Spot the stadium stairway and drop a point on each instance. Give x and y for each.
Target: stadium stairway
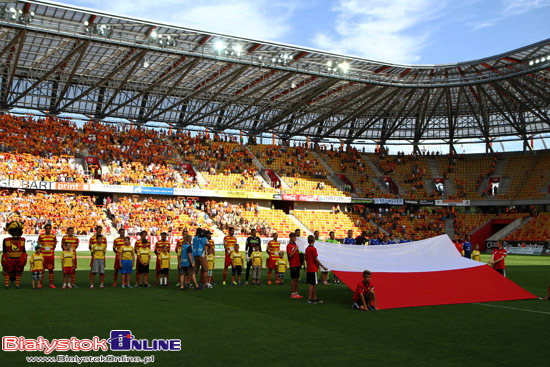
(300, 225)
(432, 165)
(380, 228)
(262, 180)
(332, 177)
(380, 184)
(104, 167)
(449, 227)
(200, 178)
(261, 167)
(449, 189)
(509, 229)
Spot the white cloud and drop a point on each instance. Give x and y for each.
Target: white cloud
(259, 19)
(517, 7)
(382, 30)
(510, 8)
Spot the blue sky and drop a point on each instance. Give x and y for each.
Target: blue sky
(403, 31)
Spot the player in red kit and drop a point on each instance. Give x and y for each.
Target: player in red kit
(48, 242)
(117, 244)
(458, 243)
(497, 259)
(14, 256)
(363, 297)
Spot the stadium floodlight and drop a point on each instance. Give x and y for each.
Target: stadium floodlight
(219, 46)
(154, 35)
(344, 66)
(329, 64)
(531, 62)
(238, 49)
(86, 23)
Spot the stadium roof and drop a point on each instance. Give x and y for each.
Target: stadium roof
(63, 59)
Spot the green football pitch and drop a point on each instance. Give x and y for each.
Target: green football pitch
(251, 325)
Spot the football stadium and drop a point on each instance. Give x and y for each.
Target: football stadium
(173, 196)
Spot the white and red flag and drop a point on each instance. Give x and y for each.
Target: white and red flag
(421, 273)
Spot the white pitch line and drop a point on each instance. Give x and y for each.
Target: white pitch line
(512, 308)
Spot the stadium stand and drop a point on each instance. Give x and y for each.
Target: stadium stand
(339, 222)
(60, 210)
(467, 223)
(404, 223)
(303, 173)
(244, 217)
(537, 229)
(408, 171)
(157, 215)
(352, 165)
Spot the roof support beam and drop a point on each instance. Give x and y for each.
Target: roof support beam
(71, 76)
(13, 66)
(346, 102)
(169, 74)
(377, 114)
(52, 71)
(238, 118)
(204, 86)
(123, 83)
(235, 76)
(243, 95)
(104, 80)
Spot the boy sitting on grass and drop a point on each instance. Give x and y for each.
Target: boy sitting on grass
(364, 298)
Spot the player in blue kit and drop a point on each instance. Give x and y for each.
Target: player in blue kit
(467, 248)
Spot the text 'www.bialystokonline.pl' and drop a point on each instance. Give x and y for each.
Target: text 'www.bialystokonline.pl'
(62, 358)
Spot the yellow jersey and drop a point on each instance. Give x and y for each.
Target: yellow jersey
(37, 262)
(210, 260)
(237, 258)
(126, 252)
(282, 264)
(164, 260)
(67, 259)
(256, 258)
(98, 250)
(476, 255)
(48, 243)
(71, 241)
(144, 254)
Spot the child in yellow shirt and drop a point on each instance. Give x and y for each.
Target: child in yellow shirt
(210, 260)
(236, 265)
(256, 259)
(476, 255)
(164, 266)
(67, 261)
(37, 267)
(282, 264)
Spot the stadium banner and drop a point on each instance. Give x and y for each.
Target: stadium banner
(194, 192)
(153, 190)
(362, 201)
(72, 186)
(299, 197)
(520, 247)
(23, 184)
(334, 199)
(231, 194)
(441, 274)
(260, 195)
(426, 202)
(452, 202)
(411, 202)
(386, 201)
(120, 189)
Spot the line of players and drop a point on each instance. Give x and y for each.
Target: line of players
(194, 255)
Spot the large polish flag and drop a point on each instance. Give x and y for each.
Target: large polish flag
(420, 273)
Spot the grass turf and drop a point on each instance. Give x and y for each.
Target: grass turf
(262, 325)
